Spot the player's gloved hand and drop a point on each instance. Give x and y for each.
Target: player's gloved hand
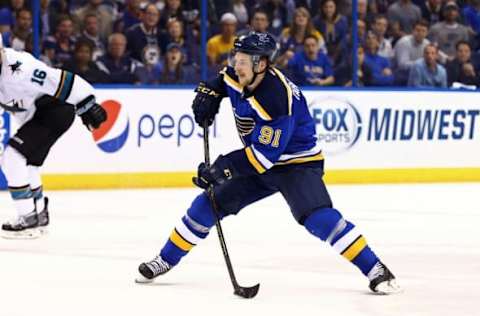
(91, 113)
(216, 174)
(206, 104)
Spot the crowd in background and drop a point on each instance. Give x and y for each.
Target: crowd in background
(415, 43)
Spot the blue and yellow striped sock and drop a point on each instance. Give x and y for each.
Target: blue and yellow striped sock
(192, 229)
(183, 238)
(353, 247)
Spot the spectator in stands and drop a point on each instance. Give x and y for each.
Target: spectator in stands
(409, 49)
(431, 11)
(311, 66)
(448, 33)
(15, 6)
(395, 32)
(21, 30)
(117, 64)
(381, 70)
(172, 10)
(258, 23)
(334, 27)
(239, 9)
(361, 31)
(173, 70)
(104, 15)
(379, 28)
(344, 72)
(48, 18)
(461, 69)
(291, 40)
(91, 33)
(59, 47)
(175, 34)
(362, 11)
(427, 72)
(277, 15)
(144, 39)
(405, 13)
(219, 46)
(471, 17)
(6, 22)
(131, 16)
(312, 6)
(378, 6)
(29, 49)
(82, 64)
(361, 35)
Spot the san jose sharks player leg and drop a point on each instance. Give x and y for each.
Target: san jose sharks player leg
(43, 101)
(280, 155)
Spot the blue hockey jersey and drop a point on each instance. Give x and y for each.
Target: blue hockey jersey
(273, 122)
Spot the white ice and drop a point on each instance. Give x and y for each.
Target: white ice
(427, 235)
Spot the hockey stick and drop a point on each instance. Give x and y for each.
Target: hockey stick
(245, 292)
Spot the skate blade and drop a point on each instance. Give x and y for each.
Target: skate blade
(388, 288)
(140, 279)
(32, 233)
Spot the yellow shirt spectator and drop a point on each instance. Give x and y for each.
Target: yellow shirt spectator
(219, 46)
(218, 49)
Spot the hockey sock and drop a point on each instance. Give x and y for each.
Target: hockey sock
(192, 229)
(14, 166)
(329, 225)
(22, 199)
(36, 185)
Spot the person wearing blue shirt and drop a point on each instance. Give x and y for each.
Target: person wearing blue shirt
(471, 17)
(379, 66)
(280, 154)
(334, 28)
(310, 66)
(426, 72)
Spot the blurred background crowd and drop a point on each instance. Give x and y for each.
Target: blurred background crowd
(406, 43)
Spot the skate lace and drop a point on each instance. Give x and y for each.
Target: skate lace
(158, 266)
(377, 270)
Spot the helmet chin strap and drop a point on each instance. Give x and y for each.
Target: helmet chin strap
(255, 73)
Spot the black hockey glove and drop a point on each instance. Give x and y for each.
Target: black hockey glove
(91, 113)
(206, 104)
(216, 174)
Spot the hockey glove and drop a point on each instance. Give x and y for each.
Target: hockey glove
(216, 174)
(206, 104)
(91, 113)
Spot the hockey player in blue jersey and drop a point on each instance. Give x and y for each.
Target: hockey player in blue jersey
(280, 154)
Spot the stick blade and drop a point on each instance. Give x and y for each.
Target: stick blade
(247, 292)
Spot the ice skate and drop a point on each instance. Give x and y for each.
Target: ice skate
(23, 227)
(382, 280)
(44, 218)
(152, 269)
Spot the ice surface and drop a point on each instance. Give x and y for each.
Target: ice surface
(426, 234)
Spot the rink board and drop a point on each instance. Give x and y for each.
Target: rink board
(367, 137)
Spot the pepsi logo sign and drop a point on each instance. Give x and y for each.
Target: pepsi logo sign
(113, 133)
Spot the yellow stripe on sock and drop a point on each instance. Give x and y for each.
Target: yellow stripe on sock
(351, 252)
(181, 243)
